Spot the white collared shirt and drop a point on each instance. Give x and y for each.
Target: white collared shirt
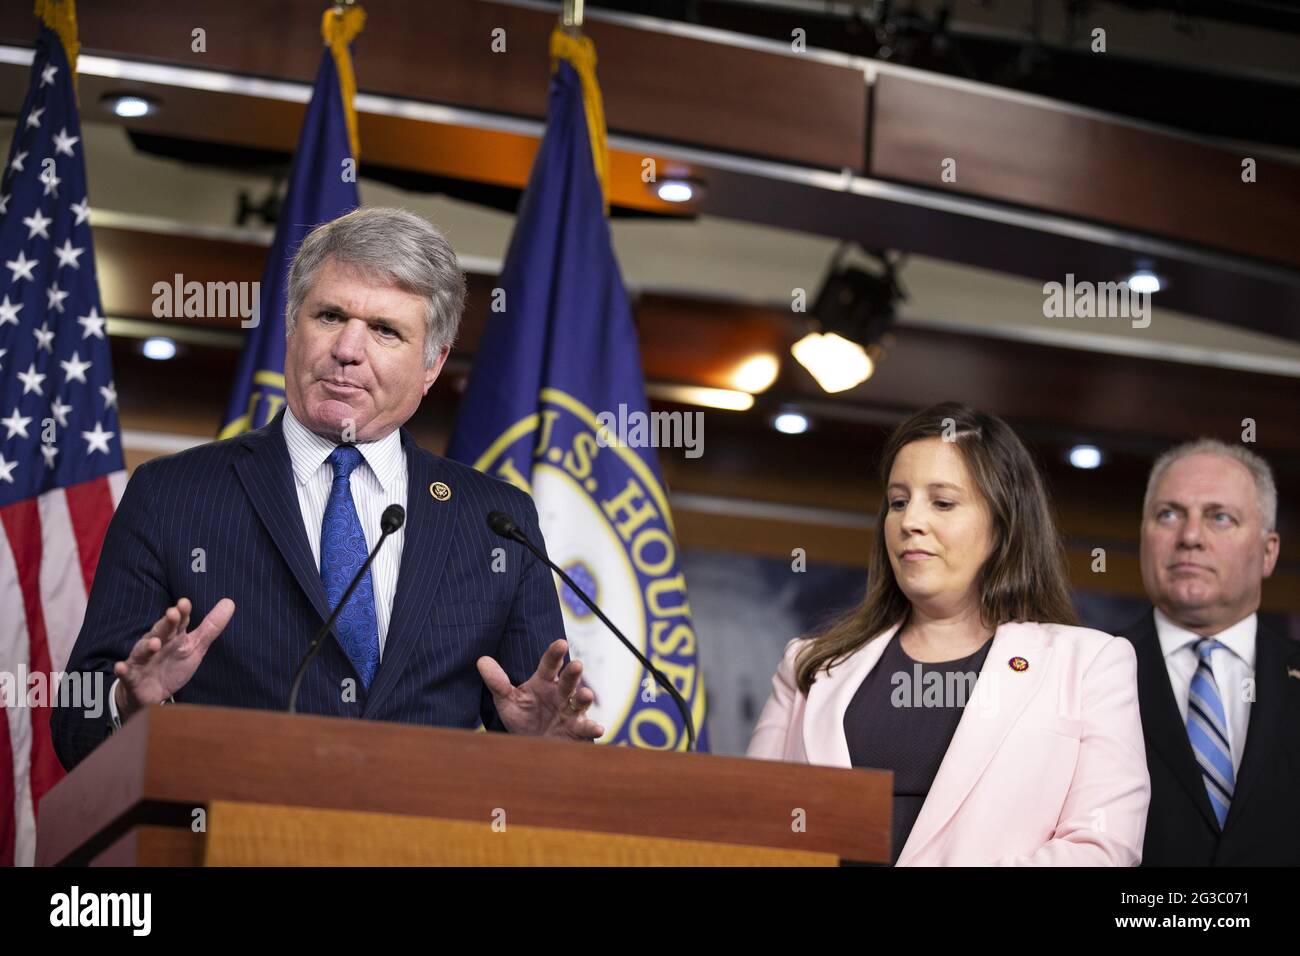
(378, 482)
(1233, 668)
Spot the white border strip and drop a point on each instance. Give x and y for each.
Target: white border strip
(135, 439)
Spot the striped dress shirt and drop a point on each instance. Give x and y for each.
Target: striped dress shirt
(376, 485)
(1233, 672)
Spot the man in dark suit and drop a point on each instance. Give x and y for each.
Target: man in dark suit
(258, 536)
(1219, 694)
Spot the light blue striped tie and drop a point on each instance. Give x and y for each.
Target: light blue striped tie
(1207, 728)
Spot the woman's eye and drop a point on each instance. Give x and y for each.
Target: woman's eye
(943, 505)
(898, 504)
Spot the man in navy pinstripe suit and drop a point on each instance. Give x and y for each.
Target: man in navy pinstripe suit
(452, 625)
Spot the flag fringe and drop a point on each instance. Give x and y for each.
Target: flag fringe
(339, 26)
(61, 17)
(580, 53)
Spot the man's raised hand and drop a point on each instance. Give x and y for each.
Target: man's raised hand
(163, 661)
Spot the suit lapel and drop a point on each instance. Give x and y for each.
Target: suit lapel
(425, 546)
(267, 476)
(1163, 727)
(829, 697)
(1001, 696)
(1272, 658)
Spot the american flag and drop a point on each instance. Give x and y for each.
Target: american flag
(61, 466)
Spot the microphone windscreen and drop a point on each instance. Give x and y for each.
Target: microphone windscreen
(392, 519)
(502, 524)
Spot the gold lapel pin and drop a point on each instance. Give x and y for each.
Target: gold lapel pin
(440, 491)
(1293, 672)
(1018, 664)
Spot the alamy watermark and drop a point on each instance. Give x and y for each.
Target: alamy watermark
(179, 299)
(1100, 300)
(638, 429)
(78, 690)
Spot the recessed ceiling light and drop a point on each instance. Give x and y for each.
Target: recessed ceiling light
(129, 105)
(1085, 456)
(159, 347)
(790, 423)
(756, 373)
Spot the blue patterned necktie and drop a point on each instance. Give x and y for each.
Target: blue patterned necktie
(1207, 728)
(342, 553)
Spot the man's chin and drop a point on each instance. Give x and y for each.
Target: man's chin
(334, 419)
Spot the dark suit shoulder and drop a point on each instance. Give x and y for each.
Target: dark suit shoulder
(1141, 629)
(192, 465)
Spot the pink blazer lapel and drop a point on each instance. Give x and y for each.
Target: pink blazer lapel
(1001, 695)
(829, 697)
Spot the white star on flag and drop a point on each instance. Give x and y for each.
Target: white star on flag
(3, 353)
(93, 324)
(63, 143)
(109, 392)
(7, 470)
(22, 266)
(31, 380)
(4, 204)
(16, 164)
(82, 209)
(68, 254)
(47, 74)
(34, 117)
(44, 337)
(60, 412)
(54, 297)
(9, 312)
(36, 223)
(17, 424)
(49, 451)
(51, 180)
(75, 369)
(98, 439)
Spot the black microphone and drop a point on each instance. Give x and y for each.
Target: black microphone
(506, 527)
(390, 521)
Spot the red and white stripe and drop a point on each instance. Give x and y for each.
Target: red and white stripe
(48, 552)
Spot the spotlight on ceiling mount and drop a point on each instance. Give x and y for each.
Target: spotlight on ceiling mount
(854, 310)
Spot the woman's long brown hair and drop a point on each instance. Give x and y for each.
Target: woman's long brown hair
(1024, 578)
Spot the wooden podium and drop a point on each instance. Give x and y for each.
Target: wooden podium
(214, 786)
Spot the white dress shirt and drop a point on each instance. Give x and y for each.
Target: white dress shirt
(379, 481)
(1233, 668)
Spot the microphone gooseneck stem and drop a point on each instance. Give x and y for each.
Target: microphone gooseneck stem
(314, 647)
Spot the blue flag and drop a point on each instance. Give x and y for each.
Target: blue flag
(559, 350)
(322, 187)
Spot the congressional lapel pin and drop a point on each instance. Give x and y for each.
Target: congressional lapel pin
(1018, 664)
(440, 491)
(1293, 672)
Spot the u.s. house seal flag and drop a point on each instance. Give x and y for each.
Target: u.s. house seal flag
(559, 349)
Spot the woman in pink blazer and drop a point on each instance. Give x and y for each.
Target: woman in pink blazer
(1014, 736)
